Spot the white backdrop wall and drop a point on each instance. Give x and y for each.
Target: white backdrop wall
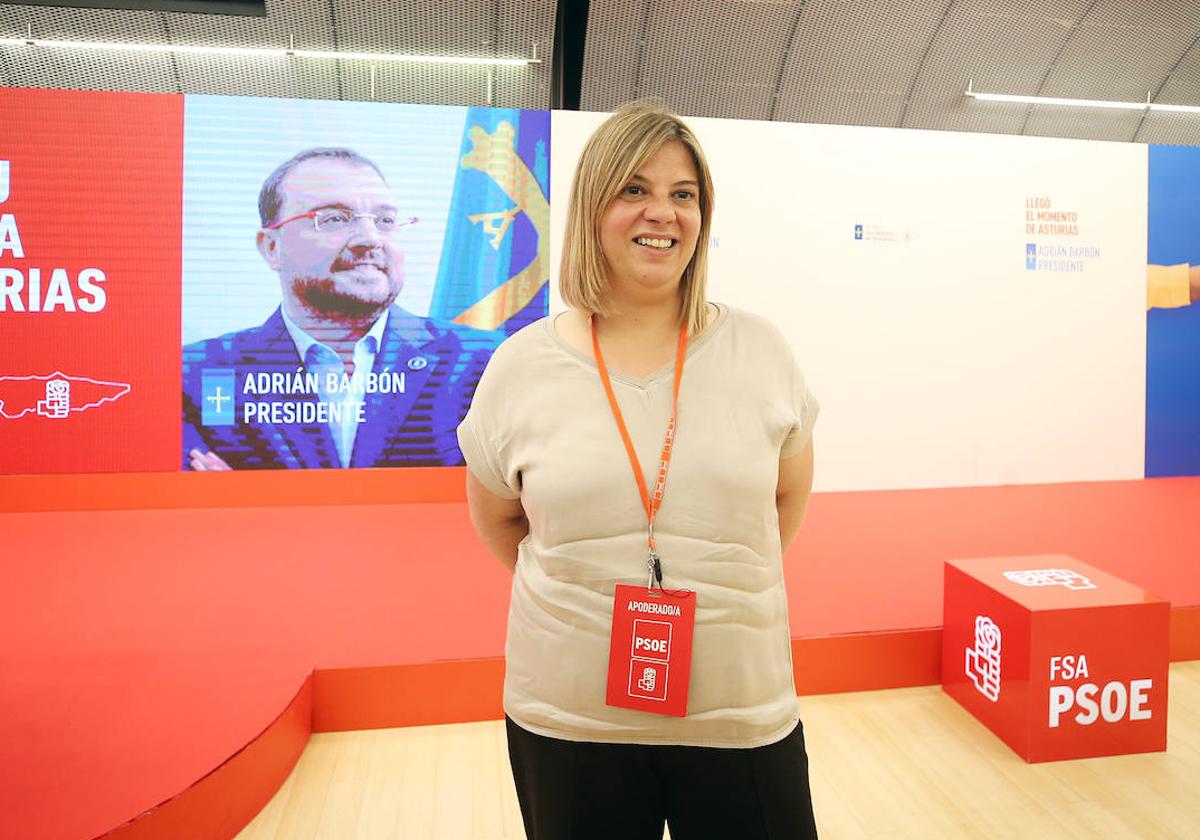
(941, 356)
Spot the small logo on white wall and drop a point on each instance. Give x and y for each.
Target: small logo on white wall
(883, 233)
(983, 660)
(1050, 577)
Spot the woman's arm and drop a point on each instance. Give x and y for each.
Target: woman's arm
(792, 492)
(499, 522)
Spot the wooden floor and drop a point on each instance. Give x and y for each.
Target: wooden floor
(907, 763)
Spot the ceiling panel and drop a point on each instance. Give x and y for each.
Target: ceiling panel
(727, 66)
(1121, 51)
(853, 63)
(308, 22)
(525, 25)
(1181, 88)
(863, 62)
(1004, 47)
(424, 83)
(228, 76)
(33, 67)
(486, 28)
(706, 58)
(452, 28)
(458, 27)
(1082, 123)
(612, 54)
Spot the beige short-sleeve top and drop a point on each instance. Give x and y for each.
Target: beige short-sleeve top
(540, 429)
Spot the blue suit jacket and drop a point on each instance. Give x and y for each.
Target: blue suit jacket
(441, 363)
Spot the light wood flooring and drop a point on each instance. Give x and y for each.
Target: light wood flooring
(905, 763)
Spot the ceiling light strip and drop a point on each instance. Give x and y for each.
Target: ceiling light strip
(1081, 103)
(262, 52)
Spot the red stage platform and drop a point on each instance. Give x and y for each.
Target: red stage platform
(171, 639)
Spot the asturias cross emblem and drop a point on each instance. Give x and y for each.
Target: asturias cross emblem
(218, 398)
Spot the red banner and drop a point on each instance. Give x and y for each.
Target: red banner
(90, 255)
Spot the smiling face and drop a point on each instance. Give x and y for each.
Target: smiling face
(648, 232)
(350, 276)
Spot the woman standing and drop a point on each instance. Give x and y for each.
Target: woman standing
(640, 461)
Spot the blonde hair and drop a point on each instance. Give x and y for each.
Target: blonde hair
(611, 156)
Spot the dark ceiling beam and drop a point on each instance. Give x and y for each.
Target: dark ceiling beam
(175, 74)
(566, 62)
(787, 57)
(333, 35)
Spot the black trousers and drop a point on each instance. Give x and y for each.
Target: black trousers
(584, 791)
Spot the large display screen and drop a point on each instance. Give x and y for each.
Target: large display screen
(1173, 328)
(320, 283)
(203, 283)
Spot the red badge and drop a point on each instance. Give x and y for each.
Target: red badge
(650, 656)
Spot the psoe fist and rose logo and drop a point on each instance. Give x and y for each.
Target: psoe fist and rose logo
(983, 658)
(57, 395)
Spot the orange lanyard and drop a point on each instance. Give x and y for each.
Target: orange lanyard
(650, 502)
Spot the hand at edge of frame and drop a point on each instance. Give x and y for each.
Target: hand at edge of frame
(206, 461)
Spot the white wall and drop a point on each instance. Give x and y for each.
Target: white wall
(939, 359)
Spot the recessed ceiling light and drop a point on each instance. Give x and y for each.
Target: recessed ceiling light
(263, 52)
(1079, 103)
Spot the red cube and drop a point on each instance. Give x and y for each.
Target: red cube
(1057, 658)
